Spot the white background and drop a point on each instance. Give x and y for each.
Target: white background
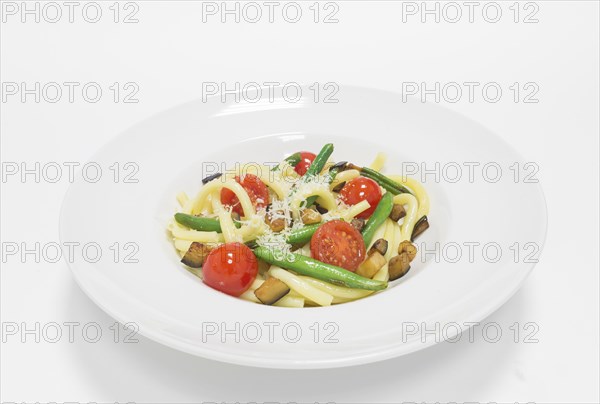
(170, 52)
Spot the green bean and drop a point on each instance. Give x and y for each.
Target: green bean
(382, 211)
(297, 236)
(319, 270)
(200, 223)
(332, 173)
(310, 201)
(319, 162)
(303, 235)
(292, 160)
(387, 183)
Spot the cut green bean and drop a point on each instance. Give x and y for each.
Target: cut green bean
(200, 223)
(317, 269)
(385, 182)
(303, 235)
(319, 162)
(292, 160)
(332, 173)
(378, 217)
(297, 236)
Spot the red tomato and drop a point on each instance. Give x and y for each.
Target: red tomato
(230, 268)
(306, 159)
(338, 243)
(361, 189)
(256, 189)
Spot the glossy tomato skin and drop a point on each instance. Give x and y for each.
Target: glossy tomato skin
(230, 268)
(338, 243)
(306, 159)
(256, 189)
(360, 189)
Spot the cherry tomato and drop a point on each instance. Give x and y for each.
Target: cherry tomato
(230, 268)
(338, 243)
(256, 189)
(306, 159)
(361, 189)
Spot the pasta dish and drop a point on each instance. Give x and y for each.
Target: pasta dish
(307, 232)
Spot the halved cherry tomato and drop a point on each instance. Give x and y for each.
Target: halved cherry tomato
(306, 159)
(361, 189)
(338, 243)
(230, 268)
(256, 189)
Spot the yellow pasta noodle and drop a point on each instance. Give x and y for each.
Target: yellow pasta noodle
(336, 291)
(216, 186)
(227, 227)
(379, 162)
(295, 283)
(418, 190)
(411, 214)
(344, 176)
(182, 198)
(355, 210)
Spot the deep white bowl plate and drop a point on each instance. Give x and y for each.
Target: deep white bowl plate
(474, 216)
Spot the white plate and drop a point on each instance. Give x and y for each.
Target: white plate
(173, 307)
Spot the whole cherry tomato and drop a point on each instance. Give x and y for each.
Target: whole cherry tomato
(362, 189)
(256, 189)
(306, 159)
(230, 268)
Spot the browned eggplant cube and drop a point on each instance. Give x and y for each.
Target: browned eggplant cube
(380, 245)
(398, 266)
(374, 262)
(196, 254)
(271, 291)
(397, 212)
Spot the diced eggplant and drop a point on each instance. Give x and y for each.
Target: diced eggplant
(398, 266)
(421, 225)
(397, 212)
(271, 291)
(196, 254)
(208, 179)
(340, 166)
(320, 209)
(380, 245)
(374, 262)
(310, 216)
(275, 220)
(409, 248)
(339, 186)
(358, 224)
(277, 225)
(295, 247)
(263, 266)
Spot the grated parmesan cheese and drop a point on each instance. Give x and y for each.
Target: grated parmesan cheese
(275, 241)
